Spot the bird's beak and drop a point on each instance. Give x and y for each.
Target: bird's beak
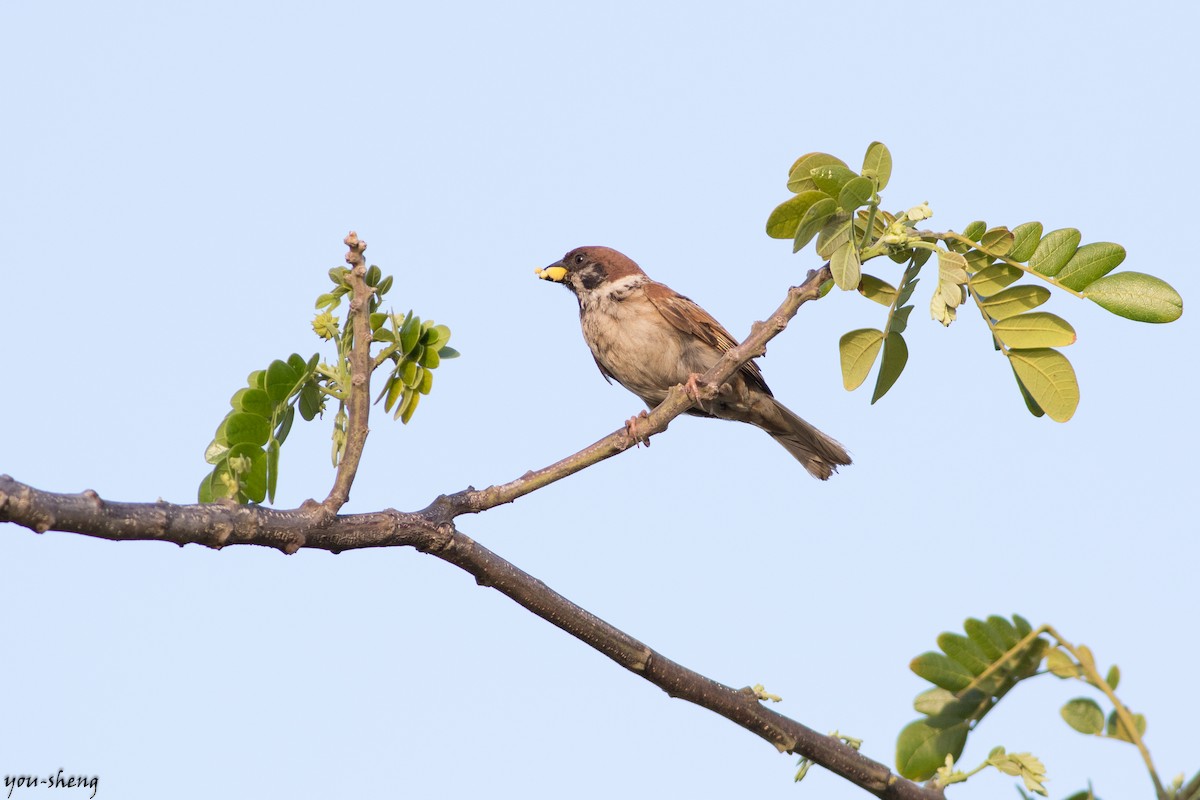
(555, 272)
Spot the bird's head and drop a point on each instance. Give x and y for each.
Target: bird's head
(586, 269)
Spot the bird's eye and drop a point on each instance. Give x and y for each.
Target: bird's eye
(579, 259)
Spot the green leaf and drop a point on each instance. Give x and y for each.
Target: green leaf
(1061, 665)
(989, 642)
(936, 701)
(448, 352)
(395, 389)
(215, 452)
(964, 651)
(977, 261)
(252, 480)
(1084, 715)
(845, 267)
(281, 379)
(878, 162)
(338, 275)
(898, 322)
(1133, 295)
(895, 356)
(409, 373)
(252, 401)
(1036, 329)
(998, 241)
(1015, 300)
(922, 747)
(410, 333)
(1004, 631)
(297, 362)
(786, 217)
(906, 291)
(812, 221)
(430, 358)
(426, 385)
(975, 230)
(205, 493)
(800, 175)
(1025, 240)
(1054, 251)
(410, 408)
(1030, 403)
(272, 468)
(941, 671)
(285, 425)
(831, 178)
(857, 192)
(243, 428)
(873, 288)
(1050, 380)
(1091, 262)
(858, 350)
(310, 401)
(1117, 730)
(834, 233)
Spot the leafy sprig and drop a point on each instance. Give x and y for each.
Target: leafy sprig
(245, 450)
(970, 675)
(841, 209)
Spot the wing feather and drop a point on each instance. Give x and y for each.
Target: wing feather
(693, 320)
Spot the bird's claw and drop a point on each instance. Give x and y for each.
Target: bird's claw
(691, 387)
(631, 428)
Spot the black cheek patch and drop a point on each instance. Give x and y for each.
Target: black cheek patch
(591, 276)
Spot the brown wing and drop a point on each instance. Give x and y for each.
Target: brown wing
(690, 318)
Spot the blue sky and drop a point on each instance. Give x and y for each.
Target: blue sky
(177, 182)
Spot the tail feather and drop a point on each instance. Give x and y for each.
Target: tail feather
(820, 454)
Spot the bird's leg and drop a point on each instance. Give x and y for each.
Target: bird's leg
(631, 428)
(692, 389)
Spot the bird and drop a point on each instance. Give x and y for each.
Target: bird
(648, 338)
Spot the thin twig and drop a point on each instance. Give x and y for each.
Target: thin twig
(472, 501)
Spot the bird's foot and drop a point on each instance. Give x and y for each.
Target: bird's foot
(632, 426)
(691, 387)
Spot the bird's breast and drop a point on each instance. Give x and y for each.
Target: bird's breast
(634, 343)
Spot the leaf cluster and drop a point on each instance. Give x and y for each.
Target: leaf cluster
(245, 450)
(970, 675)
(841, 209)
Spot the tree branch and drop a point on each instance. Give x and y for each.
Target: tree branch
(219, 524)
(317, 525)
(472, 501)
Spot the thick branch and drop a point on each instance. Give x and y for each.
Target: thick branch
(316, 526)
(219, 524)
(471, 500)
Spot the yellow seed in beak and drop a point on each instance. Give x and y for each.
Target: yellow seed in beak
(555, 274)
